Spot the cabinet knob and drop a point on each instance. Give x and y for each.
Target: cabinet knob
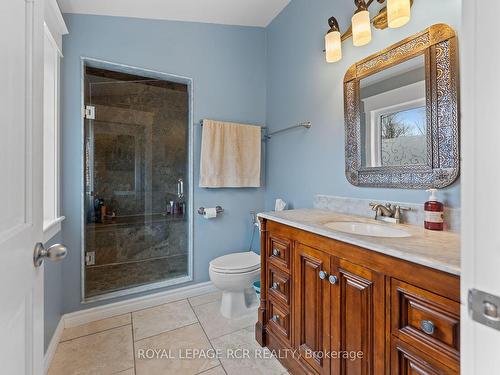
(276, 285)
(275, 318)
(332, 279)
(276, 252)
(427, 326)
(323, 275)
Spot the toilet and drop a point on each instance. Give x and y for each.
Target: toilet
(234, 274)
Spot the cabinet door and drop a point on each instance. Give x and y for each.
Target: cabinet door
(358, 319)
(311, 300)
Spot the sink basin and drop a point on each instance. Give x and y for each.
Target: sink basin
(367, 229)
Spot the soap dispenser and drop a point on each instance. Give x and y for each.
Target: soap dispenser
(434, 212)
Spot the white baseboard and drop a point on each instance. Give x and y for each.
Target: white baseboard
(122, 307)
(54, 341)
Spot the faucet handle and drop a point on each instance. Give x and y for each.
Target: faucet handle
(397, 212)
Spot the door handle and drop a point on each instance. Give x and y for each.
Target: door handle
(55, 253)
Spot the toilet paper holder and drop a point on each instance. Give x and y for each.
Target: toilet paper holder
(218, 209)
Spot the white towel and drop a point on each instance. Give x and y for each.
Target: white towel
(230, 155)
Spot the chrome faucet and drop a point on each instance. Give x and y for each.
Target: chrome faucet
(388, 212)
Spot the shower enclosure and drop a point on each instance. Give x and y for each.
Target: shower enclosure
(137, 222)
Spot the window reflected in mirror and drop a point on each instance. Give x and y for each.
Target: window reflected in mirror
(393, 116)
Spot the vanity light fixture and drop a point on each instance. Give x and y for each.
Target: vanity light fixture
(361, 25)
(333, 44)
(396, 13)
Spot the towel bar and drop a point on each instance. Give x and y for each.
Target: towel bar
(306, 124)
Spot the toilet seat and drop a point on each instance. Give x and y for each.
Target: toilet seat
(236, 263)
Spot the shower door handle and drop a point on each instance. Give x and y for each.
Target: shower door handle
(180, 188)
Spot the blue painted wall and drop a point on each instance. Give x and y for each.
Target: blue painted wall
(227, 64)
(53, 293)
(302, 86)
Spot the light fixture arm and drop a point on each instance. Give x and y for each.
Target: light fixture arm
(334, 25)
(361, 5)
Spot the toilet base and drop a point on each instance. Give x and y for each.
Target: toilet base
(238, 304)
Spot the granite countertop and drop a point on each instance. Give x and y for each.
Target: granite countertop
(434, 249)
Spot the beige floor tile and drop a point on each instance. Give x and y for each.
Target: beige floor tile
(101, 353)
(163, 318)
(175, 343)
(214, 371)
(256, 362)
(216, 325)
(94, 327)
(205, 298)
(130, 371)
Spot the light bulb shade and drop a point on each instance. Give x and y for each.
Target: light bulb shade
(361, 28)
(398, 12)
(333, 46)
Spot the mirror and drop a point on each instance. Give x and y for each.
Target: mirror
(401, 114)
(393, 116)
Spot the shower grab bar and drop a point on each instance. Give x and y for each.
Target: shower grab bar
(267, 136)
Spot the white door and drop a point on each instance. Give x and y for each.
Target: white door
(480, 181)
(21, 89)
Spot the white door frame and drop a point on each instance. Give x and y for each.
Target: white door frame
(480, 179)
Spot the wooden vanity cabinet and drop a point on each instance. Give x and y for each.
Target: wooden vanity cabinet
(312, 301)
(323, 300)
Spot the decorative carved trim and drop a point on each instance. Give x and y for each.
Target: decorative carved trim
(393, 56)
(439, 45)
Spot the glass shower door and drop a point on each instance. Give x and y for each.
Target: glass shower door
(136, 173)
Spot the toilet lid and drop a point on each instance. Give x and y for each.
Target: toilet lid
(236, 263)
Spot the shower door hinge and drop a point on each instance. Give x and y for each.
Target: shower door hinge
(89, 112)
(90, 258)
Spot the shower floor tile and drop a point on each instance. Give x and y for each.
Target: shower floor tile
(110, 278)
(102, 348)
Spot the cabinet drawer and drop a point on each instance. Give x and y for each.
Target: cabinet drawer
(406, 360)
(279, 253)
(279, 321)
(427, 321)
(279, 286)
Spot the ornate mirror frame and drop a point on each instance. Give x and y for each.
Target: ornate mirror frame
(438, 44)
